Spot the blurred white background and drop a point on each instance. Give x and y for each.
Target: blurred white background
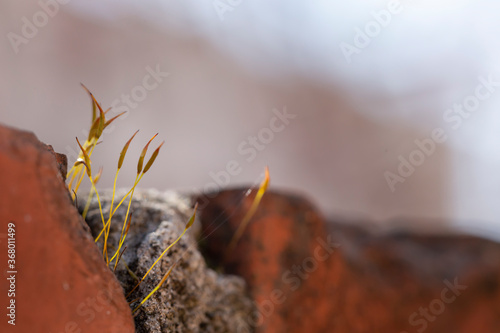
(231, 62)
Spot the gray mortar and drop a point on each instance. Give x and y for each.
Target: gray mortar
(194, 298)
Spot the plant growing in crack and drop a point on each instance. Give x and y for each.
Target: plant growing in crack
(112, 253)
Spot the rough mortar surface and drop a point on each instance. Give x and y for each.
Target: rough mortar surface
(194, 298)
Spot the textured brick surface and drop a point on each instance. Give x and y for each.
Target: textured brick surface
(309, 276)
(62, 283)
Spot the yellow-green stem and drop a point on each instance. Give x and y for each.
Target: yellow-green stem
(155, 289)
(87, 204)
(248, 216)
(154, 264)
(108, 223)
(116, 208)
(122, 236)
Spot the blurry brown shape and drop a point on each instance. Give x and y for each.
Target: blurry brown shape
(62, 161)
(309, 276)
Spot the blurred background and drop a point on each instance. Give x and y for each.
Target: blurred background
(331, 95)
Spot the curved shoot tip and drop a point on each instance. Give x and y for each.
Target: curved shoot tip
(152, 158)
(193, 217)
(143, 153)
(78, 162)
(102, 119)
(86, 158)
(106, 124)
(92, 96)
(94, 103)
(267, 178)
(94, 107)
(124, 150)
(84, 87)
(98, 176)
(250, 213)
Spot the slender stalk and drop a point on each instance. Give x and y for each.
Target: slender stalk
(188, 225)
(108, 223)
(248, 216)
(155, 288)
